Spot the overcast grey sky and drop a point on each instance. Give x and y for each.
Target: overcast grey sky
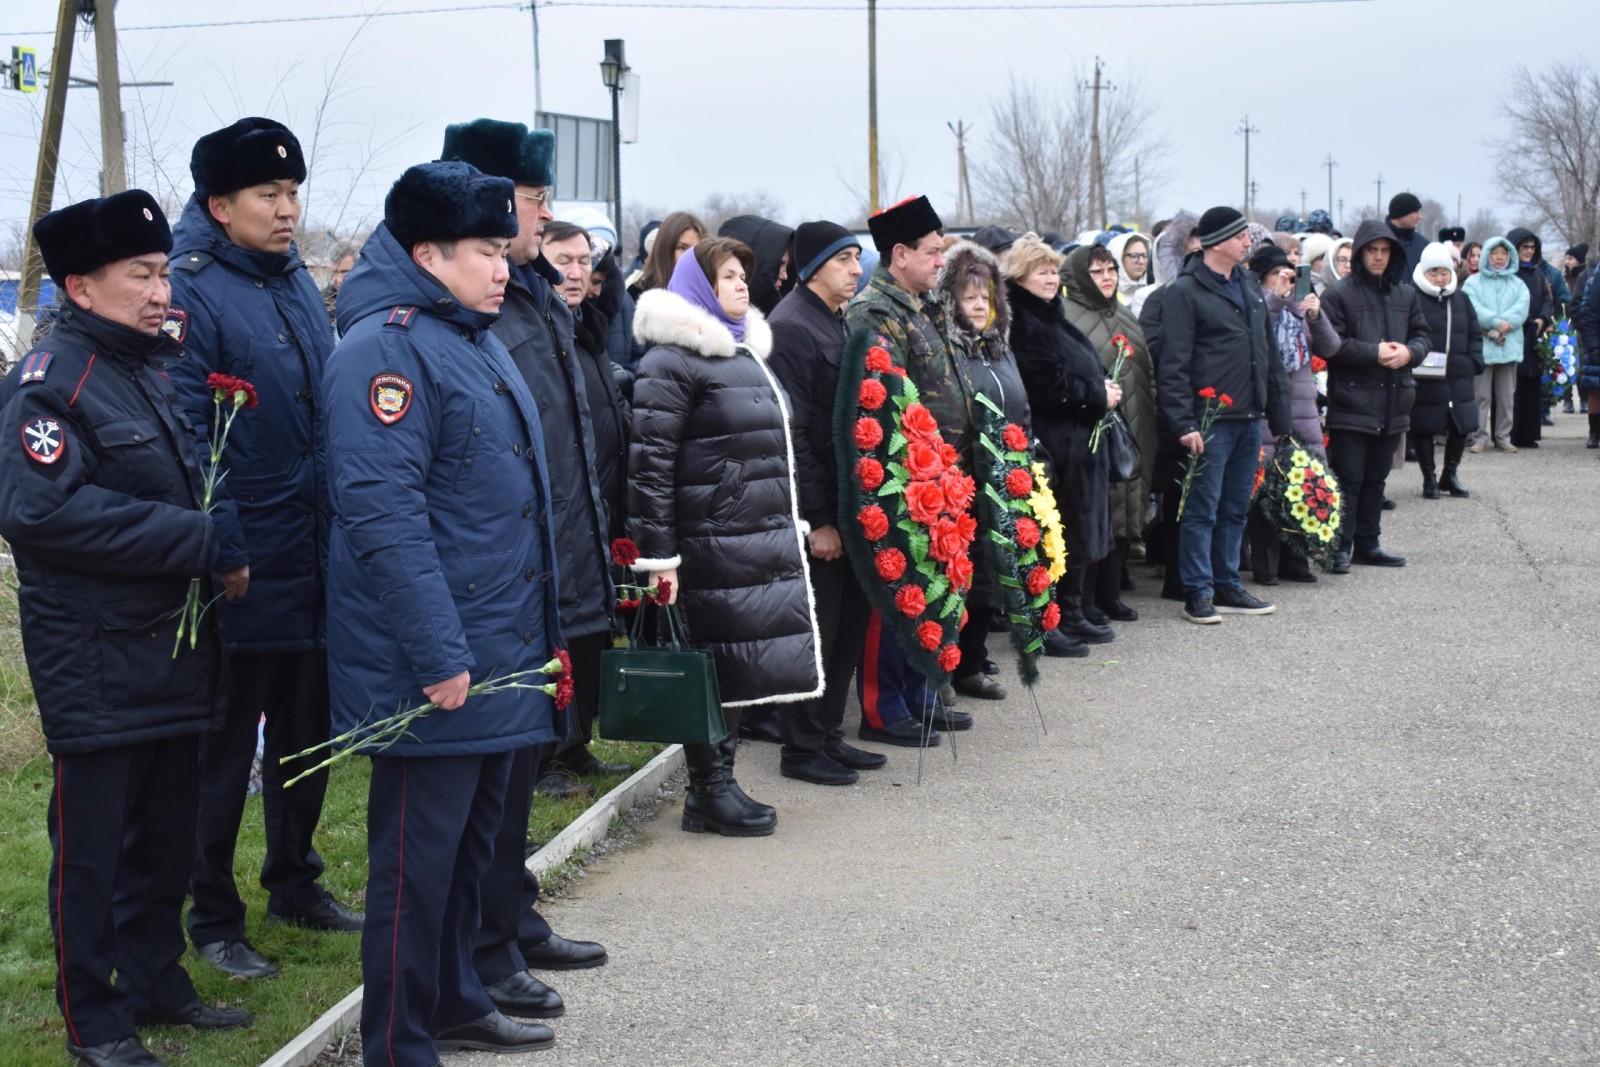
(764, 98)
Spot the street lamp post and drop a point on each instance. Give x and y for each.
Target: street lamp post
(613, 70)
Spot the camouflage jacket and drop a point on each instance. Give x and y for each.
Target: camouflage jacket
(919, 340)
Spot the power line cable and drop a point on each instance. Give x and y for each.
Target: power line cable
(730, 6)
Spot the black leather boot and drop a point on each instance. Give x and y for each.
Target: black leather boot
(710, 805)
(1073, 624)
(1430, 486)
(1108, 586)
(1449, 482)
(729, 745)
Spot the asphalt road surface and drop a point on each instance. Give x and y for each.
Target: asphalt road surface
(1359, 831)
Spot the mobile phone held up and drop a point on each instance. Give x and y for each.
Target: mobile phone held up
(1302, 281)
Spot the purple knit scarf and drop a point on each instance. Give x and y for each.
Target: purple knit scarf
(690, 282)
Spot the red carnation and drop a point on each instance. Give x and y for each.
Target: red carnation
(663, 591)
(1208, 393)
(628, 605)
(226, 386)
(624, 552)
(958, 491)
(565, 660)
(929, 634)
(1038, 580)
(944, 540)
(891, 564)
(910, 601)
(873, 394)
(949, 658)
(1225, 400)
(1052, 616)
(924, 500)
(874, 523)
(868, 433)
(563, 692)
(923, 461)
(1019, 482)
(878, 359)
(919, 422)
(1016, 438)
(959, 572)
(1027, 533)
(869, 472)
(1318, 364)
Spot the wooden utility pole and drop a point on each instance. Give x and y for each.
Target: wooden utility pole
(538, 86)
(964, 209)
(872, 107)
(113, 167)
(1097, 175)
(1302, 203)
(1246, 129)
(1380, 196)
(44, 175)
(1250, 205)
(1330, 164)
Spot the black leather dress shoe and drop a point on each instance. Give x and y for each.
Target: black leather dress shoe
(907, 733)
(981, 686)
(237, 958)
(991, 667)
(1377, 557)
(1117, 611)
(559, 954)
(1389, 505)
(854, 758)
(1059, 644)
(201, 1016)
(325, 914)
(587, 762)
(760, 730)
(495, 1033)
(525, 997)
(124, 1052)
(819, 768)
(560, 786)
(1341, 563)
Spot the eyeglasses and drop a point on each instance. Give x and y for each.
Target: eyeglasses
(1138, 257)
(538, 198)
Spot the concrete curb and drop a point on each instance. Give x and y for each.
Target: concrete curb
(593, 825)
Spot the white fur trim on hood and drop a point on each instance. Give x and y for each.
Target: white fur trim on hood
(1434, 256)
(665, 318)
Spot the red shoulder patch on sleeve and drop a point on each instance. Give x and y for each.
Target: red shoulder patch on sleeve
(43, 440)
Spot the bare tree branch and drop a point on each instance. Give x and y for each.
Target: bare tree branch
(1551, 148)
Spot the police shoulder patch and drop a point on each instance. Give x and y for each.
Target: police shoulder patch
(390, 395)
(176, 324)
(35, 366)
(43, 440)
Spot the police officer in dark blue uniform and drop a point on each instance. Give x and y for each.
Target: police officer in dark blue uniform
(244, 304)
(442, 568)
(535, 325)
(100, 492)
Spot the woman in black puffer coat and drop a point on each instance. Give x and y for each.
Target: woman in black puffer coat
(1446, 407)
(711, 501)
(1068, 394)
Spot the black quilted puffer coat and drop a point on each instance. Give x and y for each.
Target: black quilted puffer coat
(711, 492)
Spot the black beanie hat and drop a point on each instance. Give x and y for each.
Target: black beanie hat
(817, 242)
(447, 202)
(91, 233)
(1403, 204)
(1268, 258)
(504, 150)
(1579, 252)
(250, 152)
(1452, 233)
(1218, 224)
(904, 223)
(995, 238)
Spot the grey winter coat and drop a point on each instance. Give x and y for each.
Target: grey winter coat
(1302, 380)
(711, 493)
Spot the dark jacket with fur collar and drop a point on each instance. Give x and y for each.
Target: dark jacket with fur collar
(991, 365)
(711, 493)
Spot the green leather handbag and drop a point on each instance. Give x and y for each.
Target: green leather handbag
(665, 692)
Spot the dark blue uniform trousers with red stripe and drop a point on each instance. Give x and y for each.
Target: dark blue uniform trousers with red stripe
(889, 687)
(509, 892)
(122, 830)
(431, 822)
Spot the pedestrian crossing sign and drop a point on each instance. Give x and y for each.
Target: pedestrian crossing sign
(24, 69)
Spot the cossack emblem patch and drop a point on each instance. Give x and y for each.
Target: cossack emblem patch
(391, 397)
(43, 440)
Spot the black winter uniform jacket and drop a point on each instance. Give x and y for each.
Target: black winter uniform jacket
(1364, 395)
(807, 345)
(100, 492)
